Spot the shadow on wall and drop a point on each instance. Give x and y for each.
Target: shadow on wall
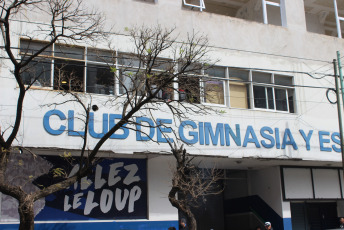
(255, 205)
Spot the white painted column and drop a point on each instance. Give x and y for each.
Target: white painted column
(295, 16)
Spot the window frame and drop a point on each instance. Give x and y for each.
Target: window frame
(274, 87)
(281, 5)
(288, 86)
(81, 61)
(22, 55)
(201, 5)
(264, 4)
(338, 19)
(100, 63)
(224, 80)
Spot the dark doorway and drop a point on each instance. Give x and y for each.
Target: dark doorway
(314, 216)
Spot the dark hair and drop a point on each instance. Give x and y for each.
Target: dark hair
(258, 227)
(171, 228)
(182, 220)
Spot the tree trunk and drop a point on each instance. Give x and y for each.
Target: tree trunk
(191, 221)
(26, 213)
(182, 207)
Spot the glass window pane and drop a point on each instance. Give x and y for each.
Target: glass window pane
(101, 56)
(281, 99)
(130, 82)
(214, 92)
(270, 98)
(69, 75)
(157, 80)
(37, 72)
(129, 60)
(100, 79)
(283, 80)
(238, 75)
(259, 97)
(165, 65)
(291, 97)
(189, 89)
(239, 95)
(69, 52)
(261, 77)
(216, 71)
(195, 68)
(274, 15)
(29, 47)
(238, 88)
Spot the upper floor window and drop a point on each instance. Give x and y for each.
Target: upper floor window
(273, 92)
(214, 85)
(100, 77)
(239, 88)
(325, 17)
(38, 72)
(190, 88)
(129, 73)
(82, 69)
(66, 67)
(265, 11)
(69, 67)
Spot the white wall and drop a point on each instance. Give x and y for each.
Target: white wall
(159, 185)
(266, 184)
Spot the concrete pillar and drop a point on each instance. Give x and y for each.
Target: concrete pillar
(294, 14)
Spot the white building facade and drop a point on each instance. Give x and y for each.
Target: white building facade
(277, 136)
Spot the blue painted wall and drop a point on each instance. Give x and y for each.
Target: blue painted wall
(134, 225)
(287, 224)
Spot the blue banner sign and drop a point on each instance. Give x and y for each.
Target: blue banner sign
(116, 189)
(191, 132)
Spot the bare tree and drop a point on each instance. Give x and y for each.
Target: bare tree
(147, 81)
(69, 20)
(191, 185)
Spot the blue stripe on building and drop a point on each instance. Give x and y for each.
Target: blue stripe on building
(133, 225)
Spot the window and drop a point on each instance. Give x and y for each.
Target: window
(265, 11)
(273, 92)
(72, 68)
(325, 17)
(100, 72)
(131, 78)
(161, 70)
(189, 89)
(272, 12)
(189, 85)
(82, 69)
(38, 72)
(198, 4)
(214, 85)
(69, 68)
(239, 88)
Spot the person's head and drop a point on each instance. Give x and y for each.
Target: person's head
(183, 222)
(267, 225)
(258, 228)
(171, 228)
(341, 220)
